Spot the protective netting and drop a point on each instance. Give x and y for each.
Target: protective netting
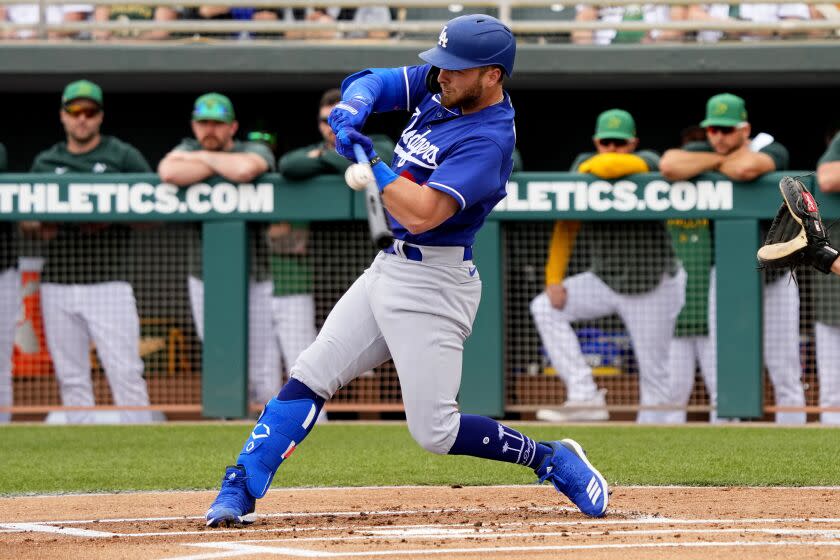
(623, 293)
(114, 308)
(116, 313)
(815, 329)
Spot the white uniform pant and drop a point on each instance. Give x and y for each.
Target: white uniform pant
(293, 317)
(780, 348)
(828, 368)
(419, 314)
(9, 306)
(649, 318)
(75, 314)
(263, 376)
(687, 351)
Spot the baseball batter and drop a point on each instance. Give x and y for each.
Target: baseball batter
(417, 301)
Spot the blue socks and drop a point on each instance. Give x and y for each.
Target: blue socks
(483, 437)
(295, 390)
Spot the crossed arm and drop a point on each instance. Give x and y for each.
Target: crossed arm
(185, 168)
(741, 165)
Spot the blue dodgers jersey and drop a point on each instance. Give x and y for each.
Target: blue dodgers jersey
(469, 157)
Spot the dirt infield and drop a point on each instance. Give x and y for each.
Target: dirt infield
(432, 522)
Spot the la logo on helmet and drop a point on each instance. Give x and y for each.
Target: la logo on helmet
(443, 39)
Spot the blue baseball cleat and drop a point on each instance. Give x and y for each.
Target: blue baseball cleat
(234, 505)
(573, 475)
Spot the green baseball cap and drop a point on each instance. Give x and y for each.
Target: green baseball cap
(725, 109)
(213, 107)
(615, 123)
(82, 89)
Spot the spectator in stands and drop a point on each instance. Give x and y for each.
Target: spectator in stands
(650, 13)
(84, 294)
(202, 13)
(132, 12)
(9, 301)
(29, 14)
(632, 273)
(730, 150)
(827, 298)
(360, 15)
(213, 152)
(758, 13)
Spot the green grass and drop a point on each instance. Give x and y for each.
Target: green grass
(55, 459)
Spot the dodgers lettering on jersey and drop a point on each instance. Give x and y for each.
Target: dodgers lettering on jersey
(468, 157)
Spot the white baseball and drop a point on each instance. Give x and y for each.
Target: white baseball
(358, 176)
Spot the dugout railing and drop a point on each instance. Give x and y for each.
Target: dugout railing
(490, 377)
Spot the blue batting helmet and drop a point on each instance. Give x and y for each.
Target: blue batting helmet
(471, 41)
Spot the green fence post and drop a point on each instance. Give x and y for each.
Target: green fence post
(224, 380)
(739, 370)
(483, 380)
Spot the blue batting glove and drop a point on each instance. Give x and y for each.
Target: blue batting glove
(344, 140)
(350, 113)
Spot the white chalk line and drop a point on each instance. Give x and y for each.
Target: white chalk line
(360, 514)
(58, 526)
(42, 528)
(238, 549)
(833, 488)
(468, 534)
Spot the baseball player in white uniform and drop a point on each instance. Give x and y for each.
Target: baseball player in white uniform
(417, 301)
(728, 149)
(84, 292)
(9, 303)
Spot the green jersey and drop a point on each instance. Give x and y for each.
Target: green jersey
(832, 153)
(826, 291)
(111, 155)
(256, 238)
(630, 257)
(692, 242)
(96, 252)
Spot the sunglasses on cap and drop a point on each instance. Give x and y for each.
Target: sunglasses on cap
(617, 142)
(720, 129)
(258, 136)
(76, 110)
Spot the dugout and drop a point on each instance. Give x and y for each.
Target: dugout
(557, 89)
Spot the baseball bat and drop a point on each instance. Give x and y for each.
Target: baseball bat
(380, 231)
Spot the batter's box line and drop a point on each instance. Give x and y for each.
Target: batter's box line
(233, 549)
(362, 514)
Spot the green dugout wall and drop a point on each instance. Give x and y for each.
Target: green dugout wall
(225, 208)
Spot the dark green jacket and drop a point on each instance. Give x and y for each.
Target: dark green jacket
(89, 253)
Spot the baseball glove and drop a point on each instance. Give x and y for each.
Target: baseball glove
(797, 236)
